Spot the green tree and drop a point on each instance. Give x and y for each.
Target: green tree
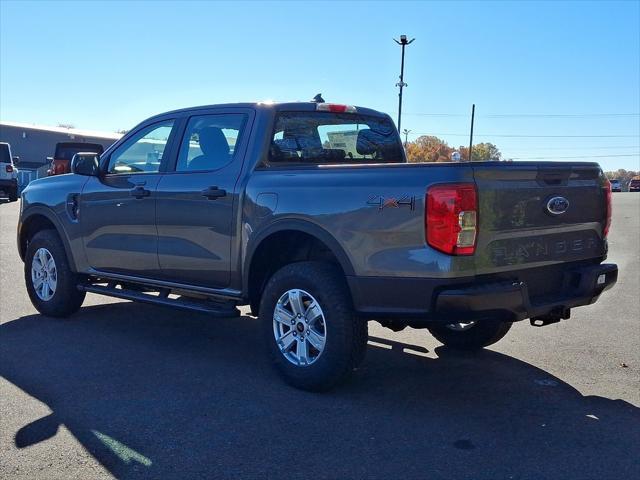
(482, 152)
(428, 148)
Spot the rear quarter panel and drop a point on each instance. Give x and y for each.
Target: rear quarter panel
(375, 213)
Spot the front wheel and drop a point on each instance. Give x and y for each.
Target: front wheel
(312, 335)
(51, 284)
(471, 335)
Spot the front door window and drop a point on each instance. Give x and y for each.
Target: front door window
(143, 152)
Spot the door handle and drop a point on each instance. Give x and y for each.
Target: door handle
(214, 192)
(139, 192)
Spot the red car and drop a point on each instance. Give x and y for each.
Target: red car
(634, 185)
(61, 162)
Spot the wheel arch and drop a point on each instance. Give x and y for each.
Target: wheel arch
(39, 218)
(305, 229)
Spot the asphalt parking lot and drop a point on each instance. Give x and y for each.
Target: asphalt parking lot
(135, 391)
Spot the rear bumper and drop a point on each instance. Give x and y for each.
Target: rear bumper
(582, 286)
(510, 300)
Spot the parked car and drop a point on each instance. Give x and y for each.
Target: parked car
(616, 186)
(64, 152)
(8, 173)
(634, 184)
(310, 214)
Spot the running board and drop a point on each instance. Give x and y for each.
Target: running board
(217, 309)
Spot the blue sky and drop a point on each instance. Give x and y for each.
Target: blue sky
(107, 66)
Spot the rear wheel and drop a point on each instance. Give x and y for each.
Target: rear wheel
(51, 285)
(471, 335)
(312, 335)
(13, 194)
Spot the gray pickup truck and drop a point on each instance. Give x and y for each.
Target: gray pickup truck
(310, 214)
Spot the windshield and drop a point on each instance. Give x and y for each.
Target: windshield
(5, 154)
(331, 138)
(68, 150)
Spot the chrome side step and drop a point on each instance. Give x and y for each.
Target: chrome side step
(217, 309)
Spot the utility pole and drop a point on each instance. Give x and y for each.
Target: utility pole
(403, 42)
(473, 113)
(406, 137)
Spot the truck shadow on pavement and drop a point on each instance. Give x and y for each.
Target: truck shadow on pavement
(151, 393)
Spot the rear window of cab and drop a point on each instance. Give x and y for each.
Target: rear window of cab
(325, 138)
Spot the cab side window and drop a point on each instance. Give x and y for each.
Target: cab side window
(143, 152)
(209, 141)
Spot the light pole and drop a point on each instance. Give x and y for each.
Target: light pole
(403, 42)
(406, 137)
(473, 115)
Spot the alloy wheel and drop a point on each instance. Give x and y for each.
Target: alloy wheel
(44, 274)
(299, 327)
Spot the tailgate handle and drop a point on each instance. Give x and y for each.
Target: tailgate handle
(558, 177)
(552, 179)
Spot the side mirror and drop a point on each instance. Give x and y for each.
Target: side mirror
(16, 160)
(86, 163)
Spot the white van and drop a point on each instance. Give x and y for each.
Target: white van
(8, 173)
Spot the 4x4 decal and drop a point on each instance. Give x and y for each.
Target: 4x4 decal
(392, 202)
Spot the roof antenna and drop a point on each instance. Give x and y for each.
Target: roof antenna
(318, 98)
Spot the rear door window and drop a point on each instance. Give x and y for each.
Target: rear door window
(319, 138)
(209, 142)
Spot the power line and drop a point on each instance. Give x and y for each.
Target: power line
(530, 115)
(561, 115)
(528, 136)
(439, 114)
(577, 156)
(581, 147)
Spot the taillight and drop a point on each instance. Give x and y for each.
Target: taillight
(607, 195)
(9, 168)
(58, 167)
(451, 218)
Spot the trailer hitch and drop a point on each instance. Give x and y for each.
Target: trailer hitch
(557, 314)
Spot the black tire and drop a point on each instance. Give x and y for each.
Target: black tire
(13, 195)
(66, 298)
(482, 334)
(346, 335)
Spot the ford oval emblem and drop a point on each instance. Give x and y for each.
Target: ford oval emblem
(557, 205)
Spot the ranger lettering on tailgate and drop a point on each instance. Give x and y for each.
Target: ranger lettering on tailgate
(548, 247)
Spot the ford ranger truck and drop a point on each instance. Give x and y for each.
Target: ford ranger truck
(310, 214)
(64, 152)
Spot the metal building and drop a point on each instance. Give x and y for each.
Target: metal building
(34, 143)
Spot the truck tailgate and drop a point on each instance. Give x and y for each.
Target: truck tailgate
(539, 214)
